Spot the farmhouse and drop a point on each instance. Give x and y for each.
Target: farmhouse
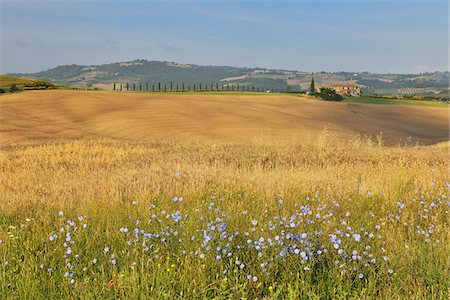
(348, 89)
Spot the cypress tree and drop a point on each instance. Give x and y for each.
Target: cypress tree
(140, 86)
(120, 87)
(165, 87)
(312, 87)
(146, 87)
(182, 87)
(127, 86)
(194, 87)
(171, 85)
(159, 86)
(177, 87)
(134, 86)
(200, 87)
(114, 86)
(153, 87)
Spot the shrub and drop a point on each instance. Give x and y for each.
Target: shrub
(329, 94)
(38, 84)
(13, 88)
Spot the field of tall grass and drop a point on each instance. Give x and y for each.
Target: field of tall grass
(322, 218)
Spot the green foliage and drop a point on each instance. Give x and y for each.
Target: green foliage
(312, 87)
(13, 88)
(329, 94)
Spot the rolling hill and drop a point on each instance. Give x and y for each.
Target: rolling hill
(57, 115)
(154, 72)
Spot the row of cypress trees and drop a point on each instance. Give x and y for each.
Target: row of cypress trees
(159, 87)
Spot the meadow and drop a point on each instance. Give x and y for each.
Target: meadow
(328, 215)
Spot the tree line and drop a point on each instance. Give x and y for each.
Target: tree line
(176, 87)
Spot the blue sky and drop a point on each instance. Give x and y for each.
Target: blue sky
(397, 36)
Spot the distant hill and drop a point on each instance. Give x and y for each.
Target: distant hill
(6, 81)
(153, 72)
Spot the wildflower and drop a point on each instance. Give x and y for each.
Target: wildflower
(357, 237)
(361, 276)
(94, 261)
(106, 249)
(254, 222)
(255, 279)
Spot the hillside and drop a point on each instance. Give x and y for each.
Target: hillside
(6, 81)
(154, 72)
(58, 115)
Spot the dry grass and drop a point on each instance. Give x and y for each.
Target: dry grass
(97, 172)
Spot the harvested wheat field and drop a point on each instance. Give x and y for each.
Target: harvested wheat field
(107, 195)
(46, 116)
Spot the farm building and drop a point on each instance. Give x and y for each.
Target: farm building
(348, 89)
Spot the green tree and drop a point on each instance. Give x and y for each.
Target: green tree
(329, 94)
(312, 87)
(114, 86)
(159, 86)
(127, 86)
(13, 88)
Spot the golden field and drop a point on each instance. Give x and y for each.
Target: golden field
(91, 184)
(58, 115)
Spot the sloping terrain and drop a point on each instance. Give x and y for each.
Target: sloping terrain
(143, 72)
(46, 116)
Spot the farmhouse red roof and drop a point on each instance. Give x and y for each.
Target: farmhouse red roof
(339, 85)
